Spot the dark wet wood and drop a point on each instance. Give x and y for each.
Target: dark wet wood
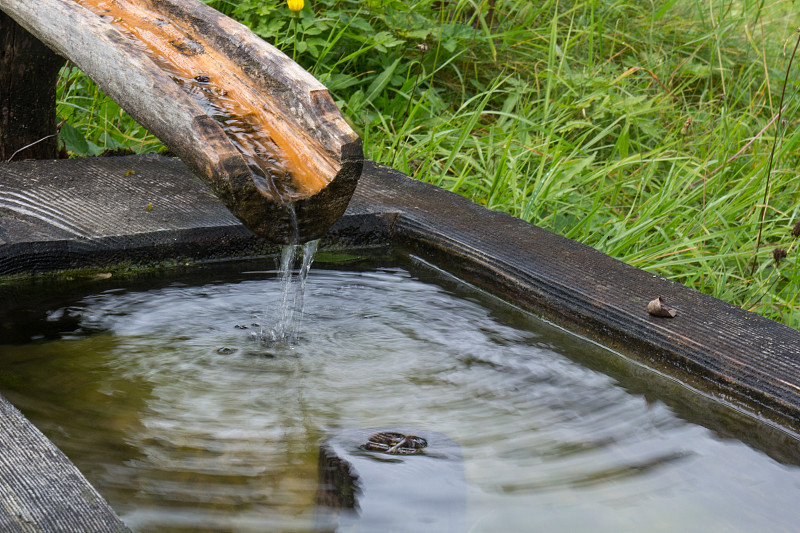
(132, 50)
(740, 357)
(28, 75)
(355, 484)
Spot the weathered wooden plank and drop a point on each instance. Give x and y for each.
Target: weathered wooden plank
(741, 357)
(736, 356)
(262, 133)
(93, 212)
(41, 491)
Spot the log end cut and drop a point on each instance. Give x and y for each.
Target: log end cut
(306, 218)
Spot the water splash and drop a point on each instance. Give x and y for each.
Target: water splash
(289, 313)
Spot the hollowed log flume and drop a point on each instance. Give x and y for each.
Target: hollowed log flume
(262, 133)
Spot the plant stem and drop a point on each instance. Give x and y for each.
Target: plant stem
(772, 156)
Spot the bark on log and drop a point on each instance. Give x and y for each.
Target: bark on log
(285, 164)
(28, 76)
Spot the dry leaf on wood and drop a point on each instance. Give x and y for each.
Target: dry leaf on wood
(658, 308)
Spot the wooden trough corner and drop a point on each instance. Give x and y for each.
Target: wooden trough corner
(260, 131)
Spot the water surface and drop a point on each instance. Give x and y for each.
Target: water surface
(167, 401)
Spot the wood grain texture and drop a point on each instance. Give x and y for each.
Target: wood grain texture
(175, 65)
(41, 491)
(732, 355)
(741, 357)
(63, 214)
(744, 358)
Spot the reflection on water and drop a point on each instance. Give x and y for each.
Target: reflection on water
(180, 435)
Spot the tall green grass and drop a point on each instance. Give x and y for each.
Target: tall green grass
(93, 122)
(642, 129)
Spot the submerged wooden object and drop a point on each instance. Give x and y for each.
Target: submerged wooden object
(362, 489)
(262, 133)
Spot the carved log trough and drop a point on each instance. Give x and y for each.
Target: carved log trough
(261, 132)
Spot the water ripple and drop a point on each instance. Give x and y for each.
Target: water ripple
(232, 435)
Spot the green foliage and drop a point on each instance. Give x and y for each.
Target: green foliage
(641, 130)
(95, 123)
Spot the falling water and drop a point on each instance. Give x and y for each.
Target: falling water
(289, 313)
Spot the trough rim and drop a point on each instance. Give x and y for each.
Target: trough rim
(737, 357)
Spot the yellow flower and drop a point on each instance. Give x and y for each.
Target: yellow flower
(295, 5)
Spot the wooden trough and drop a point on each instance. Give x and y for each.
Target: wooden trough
(261, 132)
(99, 219)
(287, 170)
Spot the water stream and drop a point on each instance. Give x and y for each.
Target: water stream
(288, 314)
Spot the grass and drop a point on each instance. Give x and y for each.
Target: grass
(95, 123)
(641, 129)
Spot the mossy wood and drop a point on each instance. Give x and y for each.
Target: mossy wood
(262, 133)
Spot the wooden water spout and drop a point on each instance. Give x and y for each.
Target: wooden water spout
(262, 133)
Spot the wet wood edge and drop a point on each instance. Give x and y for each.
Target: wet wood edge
(737, 357)
(40, 489)
(741, 357)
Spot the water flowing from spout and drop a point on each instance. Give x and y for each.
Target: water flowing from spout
(289, 313)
